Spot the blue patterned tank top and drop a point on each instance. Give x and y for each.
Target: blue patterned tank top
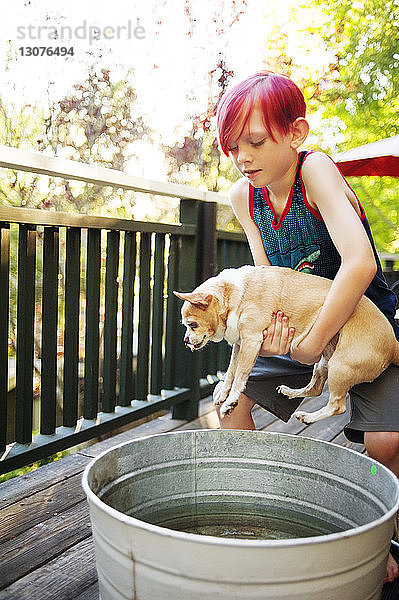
(299, 239)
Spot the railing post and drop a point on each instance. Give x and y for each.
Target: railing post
(207, 243)
(197, 259)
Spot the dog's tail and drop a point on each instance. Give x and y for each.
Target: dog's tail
(395, 359)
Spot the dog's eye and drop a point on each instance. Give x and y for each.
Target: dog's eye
(193, 325)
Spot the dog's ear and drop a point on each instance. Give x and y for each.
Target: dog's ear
(199, 299)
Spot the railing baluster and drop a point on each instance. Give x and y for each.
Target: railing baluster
(4, 310)
(71, 328)
(234, 254)
(157, 315)
(215, 351)
(243, 255)
(224, 255)
(92, 341)
(48, 403)
(248, 256)
(25, 339)
(144, 317)
(110, 326)
(223, 355)
(126, 393)
(189, 273)
(172, 316)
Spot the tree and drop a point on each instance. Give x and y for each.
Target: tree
(361, 85)
(96, 124)
(360, 91)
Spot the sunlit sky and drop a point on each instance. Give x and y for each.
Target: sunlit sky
(180, 43)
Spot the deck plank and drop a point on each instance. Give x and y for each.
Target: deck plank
(92, 593)
(38, 508)
(62, 578)
(18, 488)
(34, 547)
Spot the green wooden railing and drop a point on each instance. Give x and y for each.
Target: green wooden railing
(99, 342)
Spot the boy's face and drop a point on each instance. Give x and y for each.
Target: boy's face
(257, 156)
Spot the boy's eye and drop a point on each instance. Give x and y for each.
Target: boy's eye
(232, 149)
(256, 144)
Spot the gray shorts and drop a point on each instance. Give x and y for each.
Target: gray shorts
(374, 406)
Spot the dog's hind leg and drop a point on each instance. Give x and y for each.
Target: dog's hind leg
(339, 385)
(315, 385)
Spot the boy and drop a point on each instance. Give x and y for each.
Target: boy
(298, 211)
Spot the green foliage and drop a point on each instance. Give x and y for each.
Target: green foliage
(361, 86)
(380, 199)
(359, 95)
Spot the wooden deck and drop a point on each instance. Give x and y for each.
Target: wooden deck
(46, 547)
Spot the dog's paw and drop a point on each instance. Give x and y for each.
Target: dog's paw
(228, 406)
(282, 389)
(220, 395)
(287, 391)
(304, 417)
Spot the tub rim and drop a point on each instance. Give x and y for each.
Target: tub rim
(240, 543)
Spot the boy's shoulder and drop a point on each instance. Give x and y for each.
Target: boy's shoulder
(239, 191)
(319, 168)
(239, 196)
(317, 160)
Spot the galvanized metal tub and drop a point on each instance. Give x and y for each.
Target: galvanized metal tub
(172, 476)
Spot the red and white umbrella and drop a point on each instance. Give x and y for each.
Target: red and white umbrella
(378, 158)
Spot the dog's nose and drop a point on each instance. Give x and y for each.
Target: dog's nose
(186, 340)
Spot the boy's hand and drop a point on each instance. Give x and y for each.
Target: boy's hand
(278, 337)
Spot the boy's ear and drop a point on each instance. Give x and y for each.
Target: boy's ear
(300, 130)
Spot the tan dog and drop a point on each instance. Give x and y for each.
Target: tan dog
(237, 306)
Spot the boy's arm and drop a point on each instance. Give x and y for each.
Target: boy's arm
(325, 188)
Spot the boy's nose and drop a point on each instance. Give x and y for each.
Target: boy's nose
(243, 157)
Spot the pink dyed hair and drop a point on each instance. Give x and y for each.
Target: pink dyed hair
(280, 100)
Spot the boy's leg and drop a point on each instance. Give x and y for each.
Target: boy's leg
(384, 447)
(375, 421)
(375, 410)
(240, 417)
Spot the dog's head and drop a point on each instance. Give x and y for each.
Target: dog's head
(200, 315)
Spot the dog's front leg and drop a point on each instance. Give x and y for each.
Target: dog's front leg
(222, 394)
(248, 352)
